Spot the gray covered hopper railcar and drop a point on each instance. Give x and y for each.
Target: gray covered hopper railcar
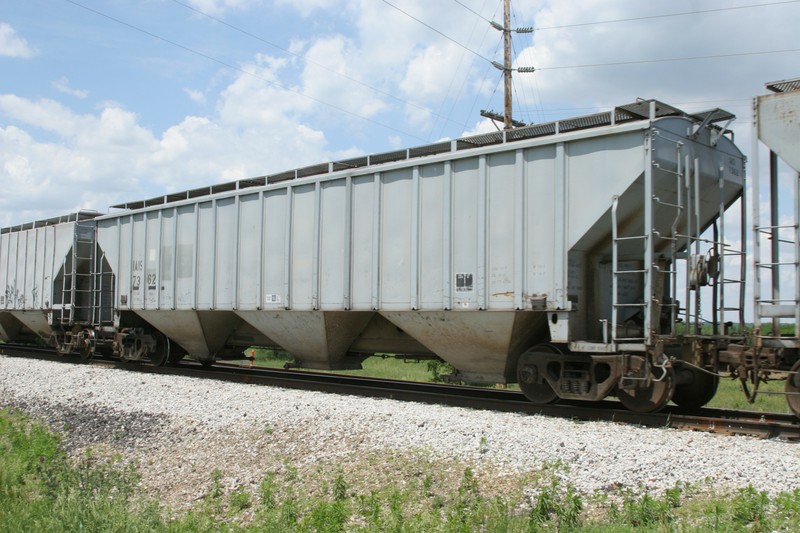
(548, 255)
(39, 273)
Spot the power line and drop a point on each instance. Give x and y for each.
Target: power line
(412, 17)
(471, 10)
(648, 17)
(484, 78)
(461, 81)
(750, 6)
(666, 60)
(529, 38)
(447, 119)
(243, 71)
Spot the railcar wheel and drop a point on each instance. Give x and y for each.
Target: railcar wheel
(652, 398)
(85, 353)
(698, 392)
(161, 354)
(535, 387)
(86, 344)
(793, 388)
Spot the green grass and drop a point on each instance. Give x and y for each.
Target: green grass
(382, 365)
(766, 329)
(731, 396)
(41, 490)
(786, 330)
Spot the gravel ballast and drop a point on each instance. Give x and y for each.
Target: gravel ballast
(179, 429)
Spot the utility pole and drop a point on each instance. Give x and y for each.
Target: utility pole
(507, 63)
(506, 67)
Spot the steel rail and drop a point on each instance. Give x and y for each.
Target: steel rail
(730, 422)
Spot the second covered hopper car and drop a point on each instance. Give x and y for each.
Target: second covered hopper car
(568, 257)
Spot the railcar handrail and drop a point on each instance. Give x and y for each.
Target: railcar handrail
(72, 217)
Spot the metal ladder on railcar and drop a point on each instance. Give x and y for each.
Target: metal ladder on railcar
(783, 265)
(654, 270)
(619, 275)
(78, 281)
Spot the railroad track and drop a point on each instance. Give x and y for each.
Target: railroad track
(732, 422)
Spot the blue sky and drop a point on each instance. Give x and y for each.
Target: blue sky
(105, 101)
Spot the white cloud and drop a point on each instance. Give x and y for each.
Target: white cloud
(482, 126)
(260, 96)
(427, 68)
(559, 53)
(297, 46)
(62, 85)
(44, 114)
(93, 160)
(12, 45)
(196, 96)
(40, 179)
(331, 76)
(418, 115)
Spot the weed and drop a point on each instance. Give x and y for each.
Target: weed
(216, 484)
(329, 517)
(370, 508)
(750, 507)
(40, 490)
(673, 496)
(438, 502)
(569, 514)
(240, 500)
(546, 504)
(556, 504)
(717, 514)
(396, 509)
(483, 445)
(469, 484)
(555, 467)
(292, 473)
(270, 354)
(339, 488)
(787, 504)
(267, 489)
(289, 513)
(439, 369)
(644, 510)
(427, 484)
